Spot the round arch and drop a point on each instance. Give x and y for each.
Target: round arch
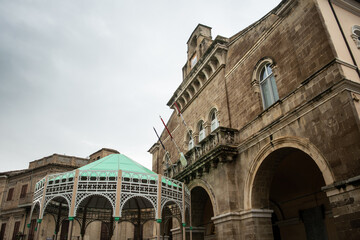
(134, 196)
(92, 195)
(201, 183)
(171, 201)
(285, 142)
(52, 198)
(34, 205)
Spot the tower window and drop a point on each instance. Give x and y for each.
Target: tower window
(193, 61)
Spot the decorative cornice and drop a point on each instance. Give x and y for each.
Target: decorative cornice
(207, 67)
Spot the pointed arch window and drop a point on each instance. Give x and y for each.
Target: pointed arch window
(201, 131)
(268, 87)
(214, 120)
(190, 140)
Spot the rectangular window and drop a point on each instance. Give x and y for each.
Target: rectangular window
(16, 230)
(2, 232)
(23, 191)
(10, 194)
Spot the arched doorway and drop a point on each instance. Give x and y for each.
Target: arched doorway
(171, 227)
(138, 210)
(289, 182)
(95, 213)
(201, 213)
(58, 208)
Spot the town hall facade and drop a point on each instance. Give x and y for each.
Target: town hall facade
(272, 134)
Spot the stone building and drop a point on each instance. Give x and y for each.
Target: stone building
(17, 189)
(272, 143)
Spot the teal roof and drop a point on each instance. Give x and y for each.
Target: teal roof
(116, 162)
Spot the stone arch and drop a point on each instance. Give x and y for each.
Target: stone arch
(285, 142)
(201, 183)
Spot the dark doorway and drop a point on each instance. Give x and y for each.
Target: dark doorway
(202, 212)
(2, 231)
(32, 229)
(289, 182)
(104, 235)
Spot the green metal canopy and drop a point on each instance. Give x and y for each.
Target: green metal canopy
(116, 162)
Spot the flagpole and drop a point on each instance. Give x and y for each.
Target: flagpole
(189, 131)
(182, 157)
(167, 159)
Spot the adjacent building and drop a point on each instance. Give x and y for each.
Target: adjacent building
(17, 189)
(272, 140)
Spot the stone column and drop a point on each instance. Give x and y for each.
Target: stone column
(249, 224)
(117, 228)
(183, 212)
(37, 235)
(117, 204)
(158, 229)
(158, 214)
(184, 231)
(344, 197)
(71, 224)
(72, 204)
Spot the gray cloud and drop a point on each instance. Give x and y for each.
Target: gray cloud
(76, 76)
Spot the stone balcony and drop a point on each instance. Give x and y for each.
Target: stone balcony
(219, 146)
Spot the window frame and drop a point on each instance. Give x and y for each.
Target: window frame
(268, 82)
(214, 122)
(201, 129)
(10, 194)
(23, 190)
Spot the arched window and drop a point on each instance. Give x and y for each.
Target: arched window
(201, 131)
(190, 140)
(166, 162)
(268, 87)
(214, 120)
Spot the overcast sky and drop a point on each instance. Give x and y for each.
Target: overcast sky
(77, 76)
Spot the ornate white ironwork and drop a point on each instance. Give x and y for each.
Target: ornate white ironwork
(104, 183)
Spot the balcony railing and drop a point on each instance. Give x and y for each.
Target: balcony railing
(219, 146)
